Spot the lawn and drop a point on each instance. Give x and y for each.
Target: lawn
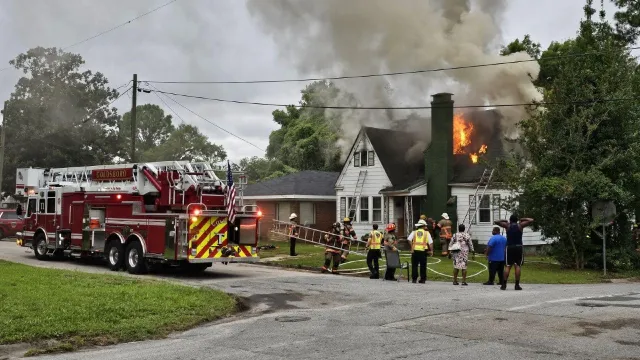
(77, 309)
(536, 270)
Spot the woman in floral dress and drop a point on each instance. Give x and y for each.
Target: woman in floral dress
(461, 257)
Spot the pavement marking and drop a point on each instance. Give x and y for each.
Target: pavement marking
(559, 301)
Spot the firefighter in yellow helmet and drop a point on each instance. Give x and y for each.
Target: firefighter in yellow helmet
(421, 242)
(423, 217)
(347, 234)
(332, 250)
(445, 233)
(374, 244)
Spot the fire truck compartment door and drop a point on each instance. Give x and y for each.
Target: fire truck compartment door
(205, 234)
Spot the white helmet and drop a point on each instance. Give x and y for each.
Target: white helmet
(293, 216)
(445, 216)
(421, 223)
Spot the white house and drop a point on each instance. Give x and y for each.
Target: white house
(383, 180)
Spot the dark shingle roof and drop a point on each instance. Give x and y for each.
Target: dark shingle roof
(401, 155)
(308, 182)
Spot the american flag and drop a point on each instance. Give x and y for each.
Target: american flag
(231, 195)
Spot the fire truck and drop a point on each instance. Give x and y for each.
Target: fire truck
(139, 215)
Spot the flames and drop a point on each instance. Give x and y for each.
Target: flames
(462, 138)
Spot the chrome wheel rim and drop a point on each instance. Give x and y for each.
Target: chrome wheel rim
(133, 258)
(42, 247)
(114, 255)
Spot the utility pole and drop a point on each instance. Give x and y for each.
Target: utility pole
(134, 131)
(2, 141)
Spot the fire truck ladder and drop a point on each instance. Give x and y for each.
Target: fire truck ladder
(81, 177)
(355, 200)
(408, 214)
(481, 188)
(313, 236)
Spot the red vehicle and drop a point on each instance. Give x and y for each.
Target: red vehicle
(136, 215)
(10, 223)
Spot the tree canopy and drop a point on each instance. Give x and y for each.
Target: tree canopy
(153, 129)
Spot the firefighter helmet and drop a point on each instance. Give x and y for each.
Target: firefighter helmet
(423, 217)
(391, 227)
(346, 219)
(293, 216)
(421, 223)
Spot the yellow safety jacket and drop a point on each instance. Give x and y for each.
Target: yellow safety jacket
(375, 238)
(420, 240)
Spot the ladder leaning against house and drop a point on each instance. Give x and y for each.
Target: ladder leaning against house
(481, 189)
(408, 214)
(355, 200)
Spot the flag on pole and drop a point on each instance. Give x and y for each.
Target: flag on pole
(231, 195)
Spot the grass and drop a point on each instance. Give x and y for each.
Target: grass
(536, 269)
(58, 310)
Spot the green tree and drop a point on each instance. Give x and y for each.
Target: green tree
(581, 153)
(153, 126)
(258, 169)
(58, 114)
(628, 20)
(186, 142)
(527, 45)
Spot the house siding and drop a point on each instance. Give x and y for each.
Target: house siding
(324, 215)
(375, 180)
(482, 231)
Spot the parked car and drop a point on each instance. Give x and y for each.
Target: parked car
(10, 223)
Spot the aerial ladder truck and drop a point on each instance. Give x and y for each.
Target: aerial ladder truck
(138, 215)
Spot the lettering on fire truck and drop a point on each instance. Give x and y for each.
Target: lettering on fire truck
(111, 174)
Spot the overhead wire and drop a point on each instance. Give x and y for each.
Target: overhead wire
(109, 104)
(473, 66)
(542, 103)
(111, 29)
(200, 116)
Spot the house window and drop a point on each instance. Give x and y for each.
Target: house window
(343, 207)
(496, 207)
(484, 209)
(351, 201)
(370, 158)
(364, 209)
(363, 158)
(472, 207)
(283, 211)
(307, 213)
(356, 159)
(377, 208)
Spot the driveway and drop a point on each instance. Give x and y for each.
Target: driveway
(298, 315)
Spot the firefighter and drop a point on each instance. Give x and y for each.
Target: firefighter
(445, 234)
(390, 243)
(421, 241)
(431, 227)
(347, 235)
(331, 252)
(373, 252)
(423, 217)
(293, 233)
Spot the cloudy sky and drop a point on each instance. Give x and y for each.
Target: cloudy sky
(191, 40)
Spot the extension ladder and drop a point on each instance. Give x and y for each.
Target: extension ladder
(408, 214)
(313, 236)
(481, 188)
(355, 200)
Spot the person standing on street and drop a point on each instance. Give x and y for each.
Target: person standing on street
(514, 252)
(421, 241)
(293, 233)
(390, 242)
(331, 251)
(495, 256)
(374, 244)
(348, 235)
(459, 248)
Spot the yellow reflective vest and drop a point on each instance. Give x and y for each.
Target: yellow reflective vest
(420, 240)
(375, 240)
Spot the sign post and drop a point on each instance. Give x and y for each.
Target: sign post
(605, 211)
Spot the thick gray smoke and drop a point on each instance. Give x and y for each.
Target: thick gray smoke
(350, 37)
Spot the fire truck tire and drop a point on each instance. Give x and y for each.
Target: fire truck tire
(40, 247)
(115, 255)
(134, 259)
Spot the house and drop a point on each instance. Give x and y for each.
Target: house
(309, 194)
(389, 176)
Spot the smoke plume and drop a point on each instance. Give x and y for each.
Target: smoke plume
(374, 36)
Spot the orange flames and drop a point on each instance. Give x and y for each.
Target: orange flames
(462, 138)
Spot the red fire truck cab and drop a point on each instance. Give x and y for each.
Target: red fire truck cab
(137, 215)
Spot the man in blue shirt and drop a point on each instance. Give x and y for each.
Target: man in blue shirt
(495, 255)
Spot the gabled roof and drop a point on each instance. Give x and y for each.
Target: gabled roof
(401, 155)
(308, 182)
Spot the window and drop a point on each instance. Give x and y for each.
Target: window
(356, 159)
(484, 209)
(364, 209)
(51, 202)
(472, 207)
(343, 207)
(283, 211)
(31, 207)
(371, 158)
(377, 209)
(307, 213)
(9, 215)
(496, 207)
(363, 158)
(352, 209)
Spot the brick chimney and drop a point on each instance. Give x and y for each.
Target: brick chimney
(439, 158)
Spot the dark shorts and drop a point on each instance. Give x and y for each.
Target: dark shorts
(514, 256)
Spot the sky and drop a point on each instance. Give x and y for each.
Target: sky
(197, 40)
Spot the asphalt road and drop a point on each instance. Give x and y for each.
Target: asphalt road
(297, 315)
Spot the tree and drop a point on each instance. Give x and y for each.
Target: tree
(58, 115)
(628, 20)
(527, 45)
(581, 149)
(153, 129)
(259, 169)
(186, 142)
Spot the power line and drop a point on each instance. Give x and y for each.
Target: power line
(390, 73)
(111, 29)
(200, 116)
(397, 108)
(109, 104)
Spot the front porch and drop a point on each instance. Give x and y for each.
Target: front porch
(404, 205)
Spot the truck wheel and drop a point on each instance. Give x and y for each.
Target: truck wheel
(115, 255)
(40, 247)
(134, 260)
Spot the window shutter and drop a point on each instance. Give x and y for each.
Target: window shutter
(356, 159)
(472, 206)
(343, 208)
(496, 207)
(371, 158)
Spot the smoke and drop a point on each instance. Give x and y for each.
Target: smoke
(373, 36)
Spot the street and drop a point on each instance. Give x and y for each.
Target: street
(301, 315)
